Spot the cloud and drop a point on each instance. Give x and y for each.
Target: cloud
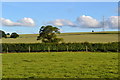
(27, 22)
(22, 22)
(61, 22)
(112, 22)
(87, 22)
(7, 22)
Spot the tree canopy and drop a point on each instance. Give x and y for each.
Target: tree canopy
(14, 35)
(48, 34)
(8, 34)
(2, 34)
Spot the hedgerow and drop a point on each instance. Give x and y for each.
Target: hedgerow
(46, 47)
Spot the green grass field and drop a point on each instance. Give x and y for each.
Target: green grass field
(60, 65)
(96, 37)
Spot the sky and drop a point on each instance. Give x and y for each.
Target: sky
(28, 17)
(60, 0)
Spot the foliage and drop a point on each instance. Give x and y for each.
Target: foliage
(48, 34)
(8, 34)
(92, 30)
(2, 34)
(14, 35)
(44, 47)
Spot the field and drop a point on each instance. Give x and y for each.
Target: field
(60, 65)
(96, 37)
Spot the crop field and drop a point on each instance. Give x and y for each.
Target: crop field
(60, 65)
(96, 37)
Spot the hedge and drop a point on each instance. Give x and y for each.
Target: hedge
(45, 47)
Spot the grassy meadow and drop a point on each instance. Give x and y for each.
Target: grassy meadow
(60, 65)
(93, 37)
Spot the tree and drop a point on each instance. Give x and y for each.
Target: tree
(8, 33)
(2, 34)
(14, 35)
(92, 30)
(48, 34)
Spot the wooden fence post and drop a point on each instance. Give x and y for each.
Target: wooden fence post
(86, 49)
(117, 50)
(7, 49)
(29, 49)
(57, 49)
(48, 49)
(67, 49)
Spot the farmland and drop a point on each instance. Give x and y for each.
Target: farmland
(60, 65)
(96, 37)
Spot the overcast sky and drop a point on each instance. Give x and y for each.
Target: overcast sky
(28, 17)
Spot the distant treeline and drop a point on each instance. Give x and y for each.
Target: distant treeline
(50, 47)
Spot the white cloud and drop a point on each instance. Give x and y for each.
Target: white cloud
(27, 22)
(112, 22)
(61, 22)
(87, 22)
(81, 22)
(8, 22)
(22, 22)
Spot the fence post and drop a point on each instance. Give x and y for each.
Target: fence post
(117, 50)
(86, 49)
(29, 49)
(57, 49)
(7, 49)
(48, 49)
(67, 49)
(44, 50)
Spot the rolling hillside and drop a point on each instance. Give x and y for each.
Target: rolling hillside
(94, 37)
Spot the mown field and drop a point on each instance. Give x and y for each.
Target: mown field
(60, 65)
(95, 37)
